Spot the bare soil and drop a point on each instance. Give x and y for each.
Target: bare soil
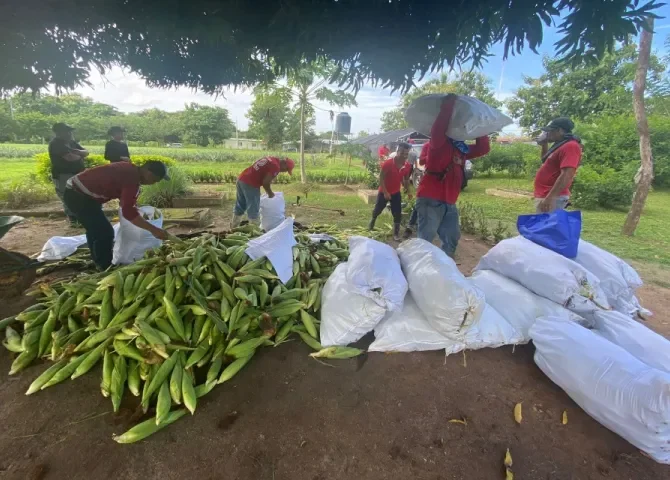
(285, 416)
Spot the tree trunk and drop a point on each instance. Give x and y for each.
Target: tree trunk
(303, 174)
(646, 173)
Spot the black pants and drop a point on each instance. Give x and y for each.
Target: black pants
(396, 206)
(99, 232)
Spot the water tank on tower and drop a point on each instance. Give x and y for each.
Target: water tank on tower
(343, 123)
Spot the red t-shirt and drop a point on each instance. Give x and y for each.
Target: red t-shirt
(255, 174)
(566, 156)
(393, 175)
(383, 152)
(423, 156)
(442, 154)
(117, 180)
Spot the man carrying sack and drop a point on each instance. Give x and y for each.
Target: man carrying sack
(86, 192)
(441, 183)
(394, 173)
(559, 165)
(261, 174)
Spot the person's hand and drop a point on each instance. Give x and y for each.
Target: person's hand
(545, 205)
(160, 234)
(271, 195)
(387, 197)
(448, 97)
(542, 139)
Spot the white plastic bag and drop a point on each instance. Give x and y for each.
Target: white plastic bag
(622, 393)
(373, 270)
(346, 316)
(472, 118)
(58, 248)
(277, 246)
(131, 241)
(634, 337)
(409, 331)
(546, 273)
(272, 211)
(518, 305)
(617, 279)
(450, 303)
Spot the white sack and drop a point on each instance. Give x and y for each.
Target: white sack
(471, 118)
(58, 248)
(617, 279)
(450, 303)
(546, 273)
(373, 270)
(277, 246)
(272, 211)
(346, 316)
(634, 337)
(612, 386)
(131, 242)
(518, 305)
(409, 331)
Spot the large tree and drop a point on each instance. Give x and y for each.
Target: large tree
(204, 124)
(209, 44)
(270, 115)
(586, 90)
(471, 83)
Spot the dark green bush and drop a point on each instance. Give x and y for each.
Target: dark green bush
(606, 188)
(512, 159)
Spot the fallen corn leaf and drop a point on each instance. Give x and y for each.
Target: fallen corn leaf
(462, 421)
(508, 474)
(565, 417)
(517, 413)
(508, 459)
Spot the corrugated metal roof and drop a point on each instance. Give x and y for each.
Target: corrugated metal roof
(373, 142)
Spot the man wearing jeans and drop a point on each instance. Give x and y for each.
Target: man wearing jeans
(441, 183)
(559, 165)
(249, 183)
(67, 160)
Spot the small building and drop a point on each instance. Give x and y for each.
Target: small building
(244, 144)
(392, 138)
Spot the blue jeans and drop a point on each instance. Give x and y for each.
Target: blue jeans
(439, 218)
(248, 200)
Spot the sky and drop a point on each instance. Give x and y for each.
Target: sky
(128, 92)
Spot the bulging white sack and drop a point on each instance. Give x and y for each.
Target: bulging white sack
(634, 337)
(272, 211)
(617, 279)
(622, 393)
(471, 118)
(518, 305)
(450, 303)
(409, 331)
(131, 242)
(373, 270)
(546, 273)
(346, 316)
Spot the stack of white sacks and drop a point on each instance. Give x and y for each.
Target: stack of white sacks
(581, 314)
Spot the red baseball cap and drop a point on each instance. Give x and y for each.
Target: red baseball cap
(290, 164)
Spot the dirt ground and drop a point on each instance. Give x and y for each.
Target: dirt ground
(285, 416)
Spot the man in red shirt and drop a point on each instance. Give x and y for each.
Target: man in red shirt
(87, 191)
(441, 183)
(394, 173)
(559, 165)
(249, 183)
(383, 152)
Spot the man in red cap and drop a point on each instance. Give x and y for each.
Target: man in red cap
(249, 183)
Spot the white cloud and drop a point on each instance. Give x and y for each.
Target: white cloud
(129, 93)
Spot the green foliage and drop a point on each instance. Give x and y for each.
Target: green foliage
(93, 160)
(605, 188)
(515, 159)
(208, 175)
(26, 192)
(393, 120)
(373, 167)
(585, 91)
(161, 194)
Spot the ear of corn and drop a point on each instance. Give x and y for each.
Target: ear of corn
(149, 427)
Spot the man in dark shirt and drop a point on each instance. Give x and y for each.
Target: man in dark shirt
(67, 160)
(115, 149)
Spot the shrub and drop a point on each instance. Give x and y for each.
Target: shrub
(93, 160)
(373, 167)
(162, 194)
(511, 159)
(605, 188)
(26, 192)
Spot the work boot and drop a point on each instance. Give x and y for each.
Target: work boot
(396, 232)
(236, 220)
(371, 225)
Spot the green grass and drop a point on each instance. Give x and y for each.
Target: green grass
(16, 169)
(651, 242)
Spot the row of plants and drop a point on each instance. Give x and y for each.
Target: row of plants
(473, 221)
(218, 176)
